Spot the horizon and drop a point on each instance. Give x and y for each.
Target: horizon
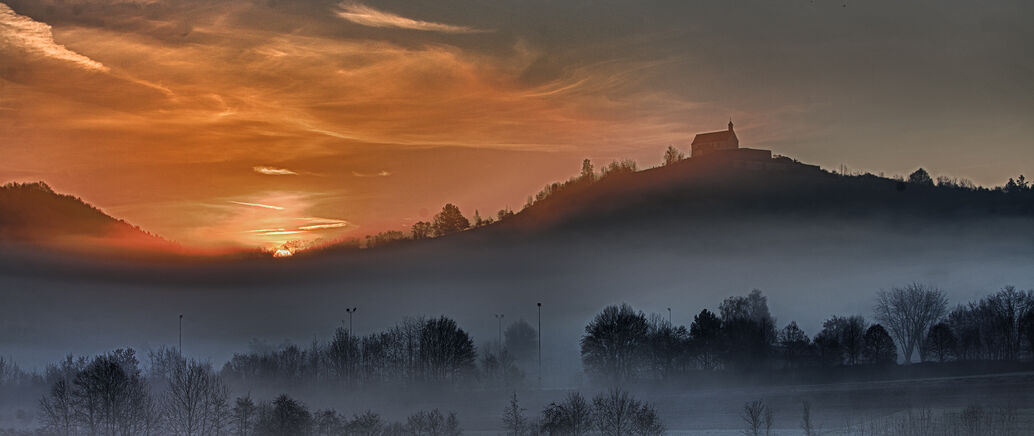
(191, 121)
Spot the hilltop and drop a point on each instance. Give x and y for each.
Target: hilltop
(709, 195)
(32, 213)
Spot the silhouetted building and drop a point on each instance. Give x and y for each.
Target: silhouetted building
(724, 146)
(705, 143)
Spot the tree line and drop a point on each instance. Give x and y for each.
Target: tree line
(612, 413)
(111, 396)
(622, 344)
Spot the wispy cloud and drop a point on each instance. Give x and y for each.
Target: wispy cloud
(364, 15)
(273, 171)
(266, 206)
(335, 225)
(377, 174)
(36, 38)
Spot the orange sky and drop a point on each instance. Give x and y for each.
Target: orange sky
(254, 123)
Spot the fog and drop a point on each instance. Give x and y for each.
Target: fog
(808, 270)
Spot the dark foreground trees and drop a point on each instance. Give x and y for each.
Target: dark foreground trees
(613, 413)
(614, 342)
(415, 351)
(107, 396)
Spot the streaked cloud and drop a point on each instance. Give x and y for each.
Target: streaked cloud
(19, 31)
(273, 171)
(364, 15)
(334, 225)
(265, 206)
(381, 173)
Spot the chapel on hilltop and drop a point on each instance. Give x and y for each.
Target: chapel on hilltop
(705, 143)
(724, 146)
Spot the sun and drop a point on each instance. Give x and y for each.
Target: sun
(282, 252)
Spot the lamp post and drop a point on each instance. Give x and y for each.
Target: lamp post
(181, 336)
(350, 313)
(669, 318)
(499, 317)
(540, 345)
(348, 346)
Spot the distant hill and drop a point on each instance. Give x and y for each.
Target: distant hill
(33, 213)
(694, 195)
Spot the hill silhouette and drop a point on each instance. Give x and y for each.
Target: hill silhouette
(33, 213)
(700, 194)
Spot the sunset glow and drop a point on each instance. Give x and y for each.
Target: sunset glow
(204, 122)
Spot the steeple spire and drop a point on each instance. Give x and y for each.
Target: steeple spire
(730, 124)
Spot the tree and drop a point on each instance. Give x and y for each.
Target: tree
(520, 340)
(879, 347)
(705, 336)
(503, 214)
(446, 351)
(613, 343)
(616, 413)
(570, 417)
(450, 220)
(794, 343)
(920, 177)
(940, 342)
(196, 401)
(110, 397)
(285, 417)
(909, 312)
(830, 352)
(672, 155)
(1027, 328)
(513, 418)
(753, 415)
(433, 423)
(367, 424)
(327, 423)
(58, 410)
(849, 333)
(806, 426)
(243, 416)
(588, 173)
(666, 347)
(749, 329)
(422, 230)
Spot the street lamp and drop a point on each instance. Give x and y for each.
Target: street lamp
(540, 345)
(181, 336)
(350, 313)
(348, 347)
(499, 317)
(669, 318)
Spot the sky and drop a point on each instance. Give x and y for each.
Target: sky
(258, 122)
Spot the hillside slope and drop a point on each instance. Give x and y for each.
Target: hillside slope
(33, 213)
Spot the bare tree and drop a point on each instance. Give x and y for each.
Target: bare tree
(513, 418)
(754, 417)
(806, 426)
(617, 413)
(571, 417)
(58, 411)
(196, 402)
(909, 313)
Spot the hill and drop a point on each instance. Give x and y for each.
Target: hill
(701, 194)
(33, 213)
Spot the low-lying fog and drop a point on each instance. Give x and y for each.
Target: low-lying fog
(808, 270)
